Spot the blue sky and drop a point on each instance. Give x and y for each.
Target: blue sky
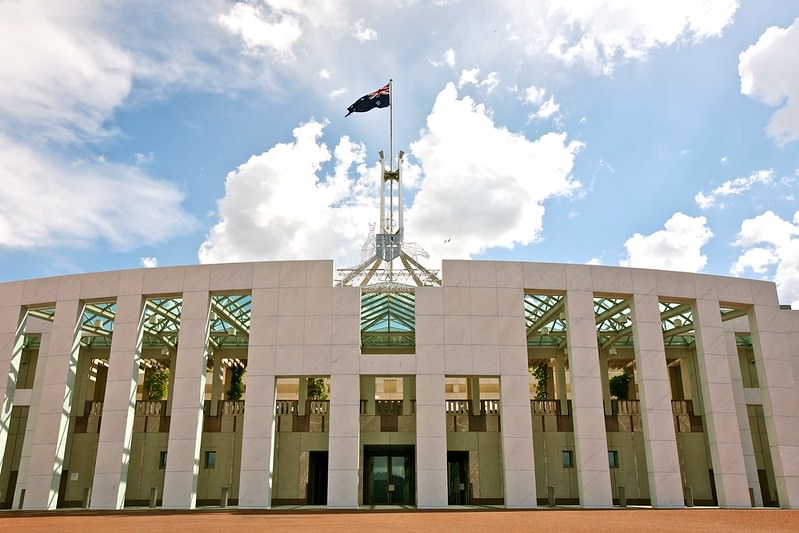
(615, 132)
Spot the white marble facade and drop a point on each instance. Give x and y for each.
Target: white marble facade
(472, 326)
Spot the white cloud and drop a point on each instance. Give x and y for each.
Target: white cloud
(769, 72)
(47, 202)
(59, 78)
(483, 186)
(734, 187)
(600, 33)
(362, 32)
(676, 247)
(274, 31)
(594, 261)
(548, 108)
(324, 74)
(149, 262)
(276, 206)
(448, 59)
(143, 159)
(472, 77)
(771, 240)
(534, 95)
(335, 93)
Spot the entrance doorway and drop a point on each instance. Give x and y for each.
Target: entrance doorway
(458, 478)
(317, 478)
(389, 475)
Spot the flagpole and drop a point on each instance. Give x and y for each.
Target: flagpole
(391, 121)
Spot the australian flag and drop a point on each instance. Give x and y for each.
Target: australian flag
(379, 98)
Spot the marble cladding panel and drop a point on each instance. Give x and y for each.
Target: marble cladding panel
(11, 293)
(455, 273)
(232, 276)
(509, 274)
(266, 275)
(611, 279)
(429, 301)
(41, 291)
(544, 276)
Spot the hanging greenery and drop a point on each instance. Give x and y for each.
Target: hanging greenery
(620, 386)
(541, 375)
(156, 384)
(317, 389)
(236, 385)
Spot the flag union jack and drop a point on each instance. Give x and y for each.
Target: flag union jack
(379, 98)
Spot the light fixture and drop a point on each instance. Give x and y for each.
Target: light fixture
(230, 331)
(612, 350)
(544, 331)
(381, 154)
(401, 155)
(212, 315)
(164, 351)
(562, 315)
(98, 322)
(677, 322)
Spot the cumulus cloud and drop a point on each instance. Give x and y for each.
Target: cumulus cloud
(537, 96)
(600, 33)
(769, 73)
(770, 241)
(262, 31)
(734, 187)
(48, 202)
(483, 186)
(474, 184)
(676, 247)
(276, 205)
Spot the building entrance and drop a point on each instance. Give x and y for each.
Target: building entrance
(317, 478)
(458, 478)
(389, 475)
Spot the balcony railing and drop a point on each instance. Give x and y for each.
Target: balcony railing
(287, 407)
(489, 407)
(232, 407)
(151, 408)
(458, 407)
(388, 407)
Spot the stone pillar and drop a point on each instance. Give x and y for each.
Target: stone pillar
(172, 370)
(660, 440)
(344, 441)
(186, 424)
(603, 375)
(217, 377)
(408, 394)
(367, 393)
(473, 393)
(560, 379)
(743, 418)
(119, 405)
(593, 473)
(715, 384)
(11, 341)
(303, 395)
(780, 403)
(431, 442)
(55, 377)
(258, 439)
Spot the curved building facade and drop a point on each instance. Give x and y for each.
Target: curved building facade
(516, 384)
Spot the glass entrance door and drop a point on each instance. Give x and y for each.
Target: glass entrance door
(389, 475)
(458, 478)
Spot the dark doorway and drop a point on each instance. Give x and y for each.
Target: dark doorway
(317, 478)
(458, 478)
(12, 486)
(765, 492)
(389, 475)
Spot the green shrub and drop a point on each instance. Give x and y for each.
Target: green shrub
(156, 384)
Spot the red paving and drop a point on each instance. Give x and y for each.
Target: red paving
(615, 520)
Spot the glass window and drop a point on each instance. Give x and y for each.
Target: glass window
(567, 457)
(210, 459)
(613, 459)
(162, 460)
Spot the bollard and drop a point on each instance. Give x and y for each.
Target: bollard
(622, 497)
(224, 498)
(153, 497)
(87, 497)
(21, 498)
(551, 495)
(689, 496)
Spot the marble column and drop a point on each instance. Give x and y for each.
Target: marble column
(431, 442)
(344, 441)
(119, 405)
(186, 422)
(718, 401)
(660, 440)
(12, 337)
(593, 473)
(780, 402)
(55, 377)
